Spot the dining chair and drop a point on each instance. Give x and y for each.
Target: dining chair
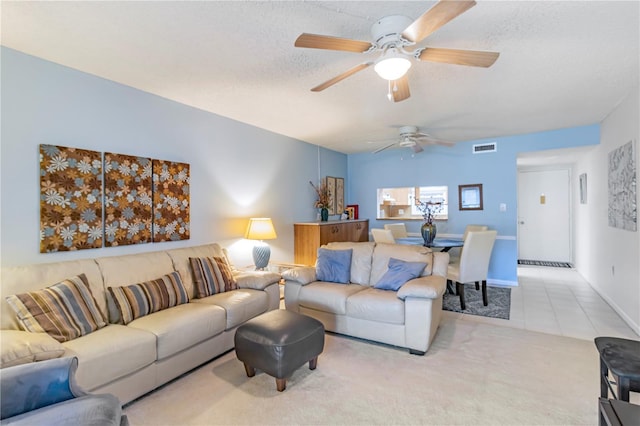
(382, 236)
(399, 230)
(474, 264)
(455, 257)
(473, 228)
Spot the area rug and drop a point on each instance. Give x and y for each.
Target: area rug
(499, 302)
(544, 263)
(473, 374)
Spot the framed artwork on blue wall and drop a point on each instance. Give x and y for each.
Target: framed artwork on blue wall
(470, 197)
(331, 186)
(339, 195)
(70, 199)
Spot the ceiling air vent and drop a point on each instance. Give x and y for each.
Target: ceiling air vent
(485, 147)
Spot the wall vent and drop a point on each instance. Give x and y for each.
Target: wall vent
(485, 147)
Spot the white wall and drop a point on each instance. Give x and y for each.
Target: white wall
(237, 171)
(607, 257)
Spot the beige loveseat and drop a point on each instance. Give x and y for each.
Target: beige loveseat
(408, 317)
(131, 360)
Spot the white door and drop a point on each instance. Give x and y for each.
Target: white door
(544, 225)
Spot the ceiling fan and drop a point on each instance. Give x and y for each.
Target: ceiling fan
(411, 137)
(394, 36)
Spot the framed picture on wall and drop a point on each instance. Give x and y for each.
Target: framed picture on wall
(331, 186)
(354, 208)
(621, 183)
(339, 195)
(470, 197)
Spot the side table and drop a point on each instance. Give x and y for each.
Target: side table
(621, 357)
(277, 267)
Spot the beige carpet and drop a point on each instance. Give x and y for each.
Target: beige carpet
(474, 373)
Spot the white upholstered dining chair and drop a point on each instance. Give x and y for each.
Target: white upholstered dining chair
(399, 230)
(474, 264)
(454, 255)
(473, 228)
(382, 236)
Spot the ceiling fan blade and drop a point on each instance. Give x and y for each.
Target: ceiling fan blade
(434, 18)
(417, 148)
(431, 140)
(316, 41)
(441, 142)
(341, 77)
(400, 89)
(474, 58)
(384, 147)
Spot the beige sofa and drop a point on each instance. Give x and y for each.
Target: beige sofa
(407, 318)
(131, 360)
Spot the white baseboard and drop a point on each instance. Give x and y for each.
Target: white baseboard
(626, 318)
(502, 283)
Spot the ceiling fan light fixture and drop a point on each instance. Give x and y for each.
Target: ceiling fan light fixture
(392, 65)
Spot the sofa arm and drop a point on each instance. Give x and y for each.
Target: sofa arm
(21, 347)
(256, 280)
(440, 263)
(301, 274)
(103, 410)
(429, 287)
(31, 386)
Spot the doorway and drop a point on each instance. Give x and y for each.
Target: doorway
(544, 215)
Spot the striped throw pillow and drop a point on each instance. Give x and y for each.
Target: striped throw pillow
(137, 300)
(65, 311)
(212, 275)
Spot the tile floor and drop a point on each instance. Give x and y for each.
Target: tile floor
(559, 301)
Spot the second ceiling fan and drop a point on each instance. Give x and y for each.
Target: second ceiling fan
(411, 137)
(394, 36)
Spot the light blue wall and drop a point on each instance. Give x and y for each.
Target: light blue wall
(237, 170)
(455, 166)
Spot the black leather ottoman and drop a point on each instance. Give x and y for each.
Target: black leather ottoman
(278, 343)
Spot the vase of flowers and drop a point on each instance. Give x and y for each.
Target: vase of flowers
(322, 202)
(324, 214)
(428, 229)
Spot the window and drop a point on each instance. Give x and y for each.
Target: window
(400, 203)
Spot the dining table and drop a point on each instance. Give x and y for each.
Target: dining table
(445, 244)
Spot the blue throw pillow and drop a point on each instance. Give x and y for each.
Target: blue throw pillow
(399, 272)
(334, 265)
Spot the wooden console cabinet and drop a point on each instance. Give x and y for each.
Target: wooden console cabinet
(308, 237)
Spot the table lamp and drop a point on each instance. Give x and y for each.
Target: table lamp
(261, 228)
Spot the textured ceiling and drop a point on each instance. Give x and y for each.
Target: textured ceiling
(561, 64)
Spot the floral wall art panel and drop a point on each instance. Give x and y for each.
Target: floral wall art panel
(171, 205)
(331, 187)
(623, 209)
(339, 195)
(70, 199)
(127, 199)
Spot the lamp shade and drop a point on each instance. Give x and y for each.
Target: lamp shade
(260, 228)
(392, 65)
